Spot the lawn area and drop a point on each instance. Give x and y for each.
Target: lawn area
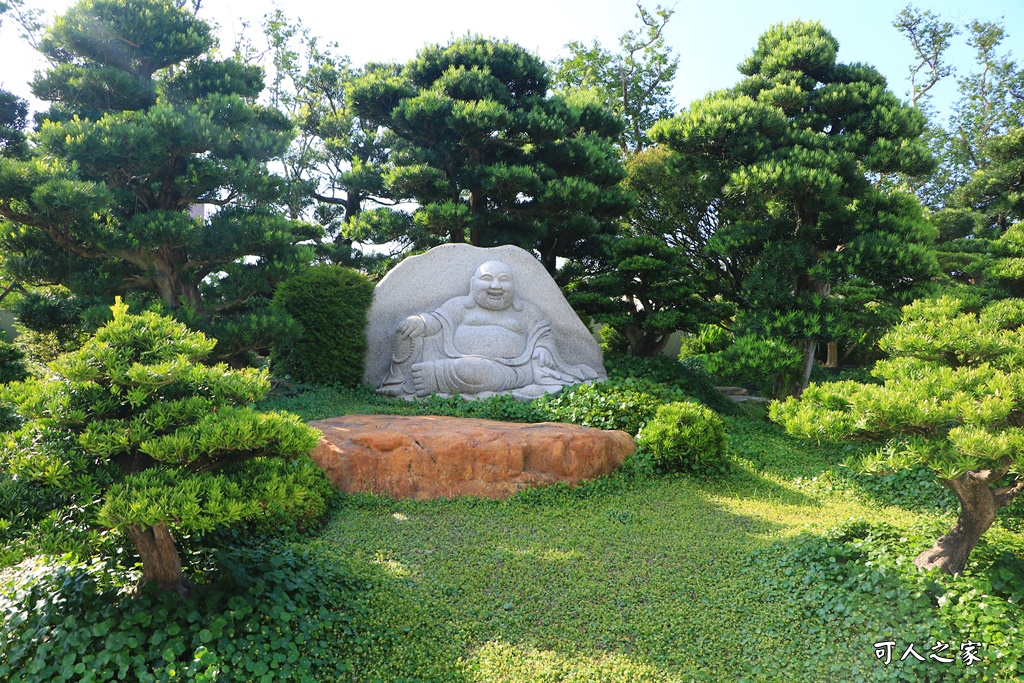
(650, 578)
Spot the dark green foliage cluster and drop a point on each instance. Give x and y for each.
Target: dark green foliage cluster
(687, 375)
(272, 613)
(684, 436)
(12, 363)
(28, 511)
(50, 323)
(645, 289)
(772, 365)
(12, 369)
(58, 312)
(858, 580)
(330, 305)
(13, 117)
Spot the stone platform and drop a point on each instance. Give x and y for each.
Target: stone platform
(433, 457)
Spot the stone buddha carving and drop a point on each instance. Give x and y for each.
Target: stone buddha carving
(485, 343)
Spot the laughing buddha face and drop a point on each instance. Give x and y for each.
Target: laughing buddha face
(492, 287)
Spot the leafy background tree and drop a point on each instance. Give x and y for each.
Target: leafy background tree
(792, 152)
(491, 157)
(655, 277)
(635, 82)
(145, 126)
(977, 147)
(336, 164)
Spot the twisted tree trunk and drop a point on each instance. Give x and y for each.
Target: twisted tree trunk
(160, 560)
(979, 503)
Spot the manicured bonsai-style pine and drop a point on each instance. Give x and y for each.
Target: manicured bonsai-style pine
(134, 425)
(953, 400)
(330, 304)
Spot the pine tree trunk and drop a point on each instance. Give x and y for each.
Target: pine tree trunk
(979, 503)
(169, 284)
(160, 560)
(643, 343)
(808, 346)
(833, 355)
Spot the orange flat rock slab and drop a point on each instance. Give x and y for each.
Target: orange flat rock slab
(433, 457)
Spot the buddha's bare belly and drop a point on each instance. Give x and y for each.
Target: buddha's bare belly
(492, 341)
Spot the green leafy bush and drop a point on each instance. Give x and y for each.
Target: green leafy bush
(55, 311)
(270, 614)
(12, 369)
(12, 363)
(685, 437)
(707, 339)
(330, 304)
(772, 365)
(50, 323)
(625, 404)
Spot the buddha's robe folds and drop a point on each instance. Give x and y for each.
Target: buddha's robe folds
(475, 352)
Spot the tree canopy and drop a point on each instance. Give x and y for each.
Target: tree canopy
(952, 401)
(488, 154)
(791, 154)
(146, 127)
(135, 427)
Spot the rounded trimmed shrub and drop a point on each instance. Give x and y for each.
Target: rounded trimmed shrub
(330, 304)
(685, 437)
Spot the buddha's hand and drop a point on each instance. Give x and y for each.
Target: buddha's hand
(413, 326)
(548, 369)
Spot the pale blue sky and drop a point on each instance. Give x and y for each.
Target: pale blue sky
(711, 38)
